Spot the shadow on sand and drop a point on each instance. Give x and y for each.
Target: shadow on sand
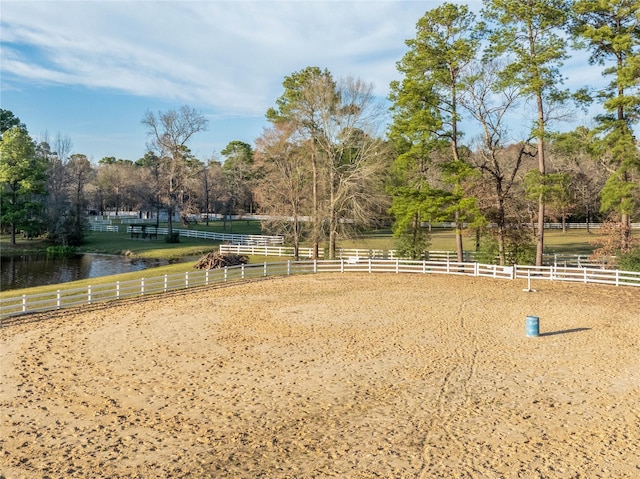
(565, 331)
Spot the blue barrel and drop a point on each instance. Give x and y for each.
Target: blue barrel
(533, 326)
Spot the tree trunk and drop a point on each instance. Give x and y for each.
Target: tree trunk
(315, 225)
(296, 237)
(541, 168)
(170, 220)
(626, 233)
(540, 232)
(459, 246)
(588, 219)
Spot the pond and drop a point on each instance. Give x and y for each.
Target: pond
(37, 270)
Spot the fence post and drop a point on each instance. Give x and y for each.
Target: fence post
(225, 273)
(117, 289)
(186, 279)
(242, 271)
(166, 283)
(206, 277)
(142, 286)
(341, 264)
(288, 267)
(397, 265)
(89, 294)
(265, 269)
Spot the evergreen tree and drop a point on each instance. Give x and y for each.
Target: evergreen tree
(611, 31)
(22, 182)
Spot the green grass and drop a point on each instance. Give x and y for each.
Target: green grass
(122, 243)
(576, 241)
(572, 242)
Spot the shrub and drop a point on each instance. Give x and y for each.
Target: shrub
(629, 261)
(174, 237)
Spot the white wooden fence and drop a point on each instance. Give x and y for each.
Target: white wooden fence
(356, 254)
(105, 227)
(209, 235)
(64, 298)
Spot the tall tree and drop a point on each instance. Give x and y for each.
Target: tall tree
(283, 187)
(56, 154)
(8, 120)
(426, 107)
(573, 152)
(212, 186)
(530, 34)
(489, 103)
(169, 133)
(611, 32)
(355, 159)
(71, 227)
(237, 169)
(22, 181)
(308, 95)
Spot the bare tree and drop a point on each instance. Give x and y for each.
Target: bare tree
(282, 190)
(489, 103)
(355, 155)
(169, 132)
(309, 95)
(212, 186)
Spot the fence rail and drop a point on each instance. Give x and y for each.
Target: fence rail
(357, 254)
(209, 235)
(105, 227)
(65, 298)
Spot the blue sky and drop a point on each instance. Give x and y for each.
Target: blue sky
(89, 70)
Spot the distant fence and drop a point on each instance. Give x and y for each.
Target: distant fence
(232, 238)
(274, 246)
(356, 254)
(209, 235)
(140, 217)
(65, 298)
(105, 227)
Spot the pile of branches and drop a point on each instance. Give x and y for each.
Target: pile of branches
(217, 260)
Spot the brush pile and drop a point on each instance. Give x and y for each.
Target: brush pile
(217, 260)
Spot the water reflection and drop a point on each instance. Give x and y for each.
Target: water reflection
(36, 270)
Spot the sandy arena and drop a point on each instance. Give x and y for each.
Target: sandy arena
(350, 376)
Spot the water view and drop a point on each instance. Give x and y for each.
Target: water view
(37, 270)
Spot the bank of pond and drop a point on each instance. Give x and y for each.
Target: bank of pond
(25, 271)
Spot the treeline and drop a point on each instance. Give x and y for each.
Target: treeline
(450, 152)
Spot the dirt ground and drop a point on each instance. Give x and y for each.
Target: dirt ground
(351, 376)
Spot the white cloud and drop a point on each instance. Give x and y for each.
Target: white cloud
(227, 58)
(230, 56)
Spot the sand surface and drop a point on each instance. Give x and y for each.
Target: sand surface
(350, 376)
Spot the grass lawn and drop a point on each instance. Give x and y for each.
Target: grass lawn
(576, 241)
(573, 242)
